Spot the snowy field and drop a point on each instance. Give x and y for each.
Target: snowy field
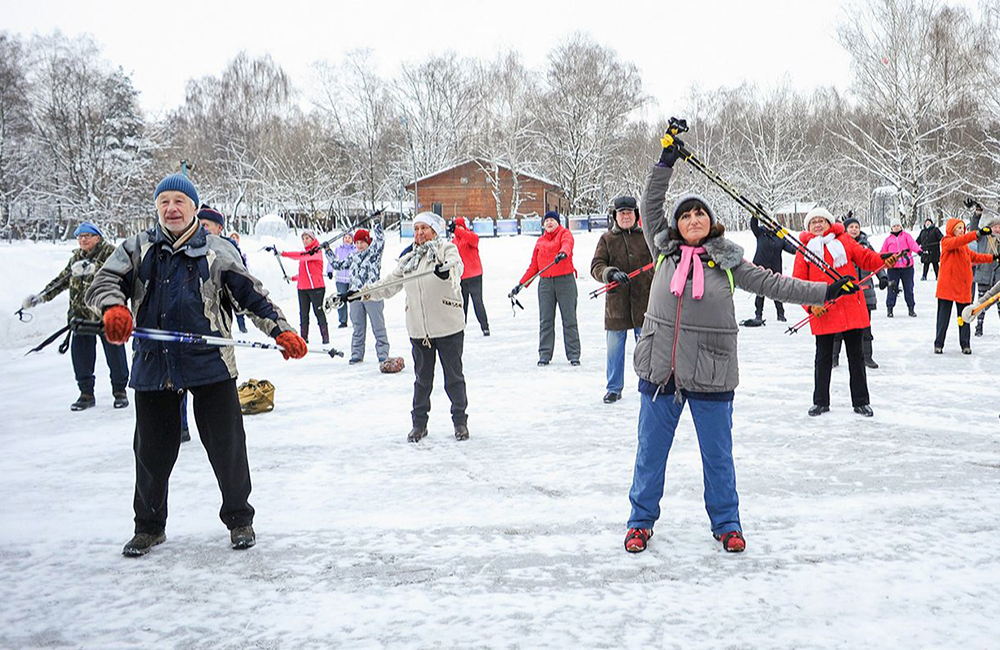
(861, 533)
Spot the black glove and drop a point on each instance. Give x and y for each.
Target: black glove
(840, 288)
(344, 297)
(451, 227)
(560, 257)
(985, 230)
(670, 154)
(270, 249)
(329, 275)
(621, 277)
(883, 282)
(971, 202)
(441, 273)
(516, 290)
(996, 257)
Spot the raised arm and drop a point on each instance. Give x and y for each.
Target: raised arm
(653, 198)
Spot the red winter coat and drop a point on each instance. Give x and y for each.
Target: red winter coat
(468, 249)
(547, 247)
(849, 312)
(955, 277)
(310, 267)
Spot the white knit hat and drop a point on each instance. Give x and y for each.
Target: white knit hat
(434, 221)
(817, 212)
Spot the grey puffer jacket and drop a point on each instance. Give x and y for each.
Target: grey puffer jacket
(694, 341)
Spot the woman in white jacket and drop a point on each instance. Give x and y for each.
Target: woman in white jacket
(435, 319)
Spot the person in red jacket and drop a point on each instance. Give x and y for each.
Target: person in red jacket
(552, 260)
(955, 279)
(848, 315)
(310, 283)
(472, 277)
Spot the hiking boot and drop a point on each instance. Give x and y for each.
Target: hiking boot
(938, 350)
(574, 362)
(543, 362)
(818, 409)
(612, 397)
(342, 326)
(242, 537)
(83, 402)
(121, 399)
(888, 312)
(354, 361)
(911, 313)
(140, 543)
(185, 435)
(636, 538)
(870, 363)
(324, 332)
(486, 332)
(416, 434)
(732, 541)
(966, 350)
(461, 432)
(781, 318)
(979, 329)
(864, 410)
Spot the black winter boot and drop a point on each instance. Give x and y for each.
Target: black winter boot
(242, 537)
(83, 402)
(416, 434)
(461, 432)
(324, 331)
(304, 331)
(140, 543)
(121, 399)
(818, 410)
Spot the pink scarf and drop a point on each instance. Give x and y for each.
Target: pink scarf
(681, 273)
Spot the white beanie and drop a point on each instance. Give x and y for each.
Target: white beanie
(434, 221)
(896, 221)
(817, 212)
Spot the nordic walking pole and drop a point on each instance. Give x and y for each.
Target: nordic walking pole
(326, 244)
(603, 289)
(513, 296)
(333, 302)
(277, 256)
(167, 336)
(678, 126)
(792, 329)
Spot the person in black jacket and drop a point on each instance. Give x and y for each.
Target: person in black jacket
(768, 255)
(929, 241)
(853, 227)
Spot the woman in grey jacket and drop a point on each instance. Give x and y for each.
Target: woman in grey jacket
(687, 351)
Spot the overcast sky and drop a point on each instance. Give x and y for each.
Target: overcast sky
(674, 44)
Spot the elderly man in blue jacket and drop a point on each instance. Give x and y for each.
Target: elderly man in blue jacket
(177, 277)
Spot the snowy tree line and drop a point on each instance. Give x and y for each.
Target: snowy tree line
(918, 130)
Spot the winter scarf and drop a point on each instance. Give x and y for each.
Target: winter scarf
(829, 241)
(679, 279)
(409, 262)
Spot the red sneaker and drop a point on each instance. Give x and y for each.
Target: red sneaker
(732, 541)
(636, 538)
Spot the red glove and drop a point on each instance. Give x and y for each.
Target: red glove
(117, 324)
(293, 344)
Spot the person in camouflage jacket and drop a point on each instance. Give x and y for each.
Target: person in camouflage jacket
(77, 276)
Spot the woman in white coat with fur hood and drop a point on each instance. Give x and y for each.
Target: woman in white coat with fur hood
(435, 319)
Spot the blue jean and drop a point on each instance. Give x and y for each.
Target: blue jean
(342, 287)
(713, 421)
(616, 358)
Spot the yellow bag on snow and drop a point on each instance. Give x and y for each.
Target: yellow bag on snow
(256, 396)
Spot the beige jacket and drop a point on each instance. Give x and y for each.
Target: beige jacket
(433, 306)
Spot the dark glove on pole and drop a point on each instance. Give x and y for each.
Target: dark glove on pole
(441, 273)
(620, 277)
(560, 257)
(841, 286)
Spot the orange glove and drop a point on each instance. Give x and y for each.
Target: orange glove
(817, 310)
(117, 324)
(293, 344)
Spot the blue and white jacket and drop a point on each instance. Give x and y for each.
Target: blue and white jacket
(365, 266)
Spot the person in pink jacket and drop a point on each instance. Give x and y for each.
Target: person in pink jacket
(899, 242)
(310, 283)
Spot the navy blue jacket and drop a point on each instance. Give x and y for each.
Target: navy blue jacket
(182, 290)
(769, 247)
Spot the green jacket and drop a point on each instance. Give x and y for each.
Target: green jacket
(77, 276)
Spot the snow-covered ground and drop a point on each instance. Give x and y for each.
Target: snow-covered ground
(861, 533)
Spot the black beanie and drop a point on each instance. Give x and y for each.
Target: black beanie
(849, 220)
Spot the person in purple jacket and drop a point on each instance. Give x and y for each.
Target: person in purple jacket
(899, 241)
(343, 276)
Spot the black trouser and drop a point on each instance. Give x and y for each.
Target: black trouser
(896, 277)
(866, 341)
(824, 368)
(927, 265)
(759, 304)
(473, 288)
(158, 440)
(944, 317)
(449, 350)
(983, 290)
(312, 297)
(83, 349)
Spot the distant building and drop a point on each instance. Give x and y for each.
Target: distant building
(791, 215)
(464, 190)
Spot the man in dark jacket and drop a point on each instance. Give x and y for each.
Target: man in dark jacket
(620, 252)
(768, 255)
(77, 276)
(177, 277)
(853, 228)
